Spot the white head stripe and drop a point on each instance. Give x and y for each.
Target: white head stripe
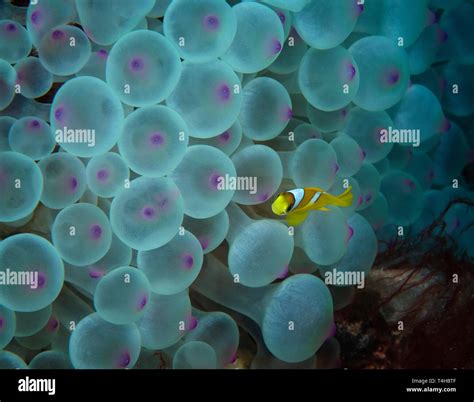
(298, 194)
(315, 197)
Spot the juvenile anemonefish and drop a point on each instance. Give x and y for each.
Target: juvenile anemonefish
(296, 204)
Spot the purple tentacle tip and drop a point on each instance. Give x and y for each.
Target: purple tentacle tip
(96, 232)
(11, 27)
(188, 261)
(192, 323)
(281, 16)
(284, 273)
(223, 92)
(124, 360)
(57, 34)
(136, 64)
(350, 233)
(148, 212)
(211, 22)
(332, 331)
(143, 302)
(393, 77)
(53, 324)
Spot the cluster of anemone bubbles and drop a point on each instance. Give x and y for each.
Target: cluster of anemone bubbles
(142, 259)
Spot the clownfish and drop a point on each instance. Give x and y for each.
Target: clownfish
(296, 204)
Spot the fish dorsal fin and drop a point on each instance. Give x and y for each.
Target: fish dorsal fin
(298, 193)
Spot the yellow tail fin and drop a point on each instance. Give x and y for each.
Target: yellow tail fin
(344, 199)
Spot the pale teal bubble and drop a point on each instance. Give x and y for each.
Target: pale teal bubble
(227, 142)
(404, 197)
(201, 30)
(6, 123)
(33, 78)
(349, 155)
(369, 180)
(195, 355)
(95, 65)
(420, 110)
(259, 38)
(15, 43)
(32, 137)
(143, 68)
(289, 303)
(107, 22)
(80, 227)
(153, 141)
(399, 156)
(208, 97)
(457, 25)
(324, 24)
(9, 361)
(266, 109)
(218, 330)
(292, 5)
(377, 213)
(64, 50)
(43, 338)
(31, 322)
(314, 164)
(450, 156)
(400, 19)
(329, 79)
(328, 122)
(107, 174)
(50, 360)
(254, 239)
(303, 132)
(28, 253)
(261, 166)
(323, 236)
(204, 178)
(21, 185)
(122, 296)
(422, 168)
(210, 232)
(384, 72)
(47, 14)
(361, 249)
(460, 102)
(98, 344)
(88, 115)
(422, 54)
(7, 326)
(87, 277)
(290, 57)
(64, 178)
(365, 128)
(173, 267)
(159, 8)
(7, 84)
(148, 214)
(166, 320)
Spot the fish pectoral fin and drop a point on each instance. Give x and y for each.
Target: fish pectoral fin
(323, 209)
(296, 218)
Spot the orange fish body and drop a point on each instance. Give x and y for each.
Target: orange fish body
(296, 204)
